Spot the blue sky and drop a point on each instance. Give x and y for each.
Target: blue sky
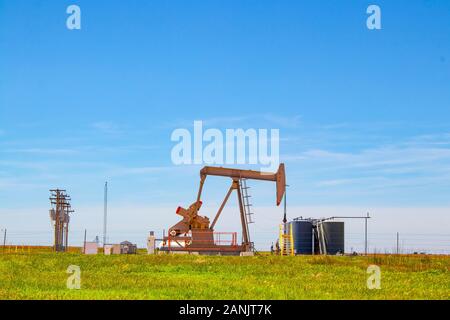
(364, 116)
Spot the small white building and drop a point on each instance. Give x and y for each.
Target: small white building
(90, 248)
(107, 249)
(126, 247)
(151, 241)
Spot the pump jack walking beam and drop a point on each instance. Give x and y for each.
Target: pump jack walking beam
(279, 177)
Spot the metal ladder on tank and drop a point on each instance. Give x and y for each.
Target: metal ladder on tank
(247, 205)
(321, 238)
(286, 240)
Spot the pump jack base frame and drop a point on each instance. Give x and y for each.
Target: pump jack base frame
(204, 241)
(210, 251)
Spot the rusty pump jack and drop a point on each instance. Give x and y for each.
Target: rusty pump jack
(201, 232)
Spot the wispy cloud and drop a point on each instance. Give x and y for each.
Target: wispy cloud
(377, 157)
(288, 122)
(438, 140)
(42, 151)
(19, 184)
(107, 127)
(125, 171)
(271, 121)
(400, 168)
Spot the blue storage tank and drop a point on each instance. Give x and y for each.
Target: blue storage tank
(302, 232)
(334, 237)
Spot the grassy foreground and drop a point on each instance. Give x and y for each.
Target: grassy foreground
(43, 276)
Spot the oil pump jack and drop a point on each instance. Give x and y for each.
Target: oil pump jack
(195, 233)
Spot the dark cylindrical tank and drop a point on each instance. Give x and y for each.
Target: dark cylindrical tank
(302, 231)
(334, 236)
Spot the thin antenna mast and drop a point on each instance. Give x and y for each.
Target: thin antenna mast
(105, 213)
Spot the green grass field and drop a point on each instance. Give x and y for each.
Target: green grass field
(43, 276)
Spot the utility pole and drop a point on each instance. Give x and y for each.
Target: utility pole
(4, 240)
(84, 243)
(398, 243)
(60, 217)
(105, 213)
(365, 235)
